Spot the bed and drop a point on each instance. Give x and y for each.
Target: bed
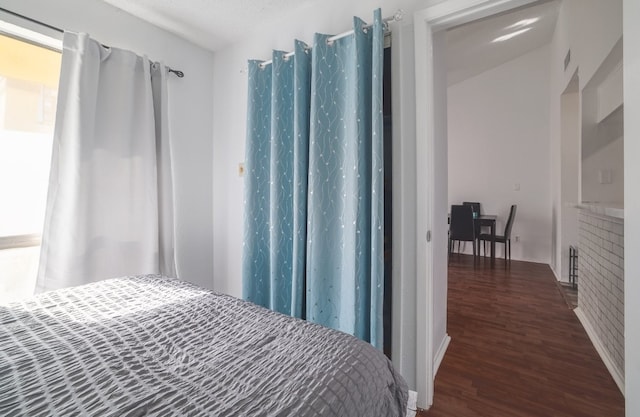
(154, 346)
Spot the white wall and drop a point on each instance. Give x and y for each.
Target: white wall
(632, 206)
(230, 86)
(440, 227)
(608, 158)
(570, 177)
(590, 28)
(404, 192)
(499, 137)
(190, 110)
(602, 132)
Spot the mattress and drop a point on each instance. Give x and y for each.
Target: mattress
(154, 346)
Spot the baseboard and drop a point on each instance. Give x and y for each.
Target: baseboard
(555, 273)
(440, 354)
(411, 404)
(559, 278)
(617, 375)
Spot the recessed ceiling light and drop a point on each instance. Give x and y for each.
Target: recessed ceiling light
(511, 35)
(523, 23)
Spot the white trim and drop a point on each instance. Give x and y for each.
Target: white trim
(457, 12)
(404, 314)
(22, 33)
(433, 18)
(424, 205)
(30, 31)
(555, 274)
(617, 374)
(440, 354)
(411, 404)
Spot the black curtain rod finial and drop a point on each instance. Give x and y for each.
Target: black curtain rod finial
(179, 74)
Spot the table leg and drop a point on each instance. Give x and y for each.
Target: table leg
(493, 242)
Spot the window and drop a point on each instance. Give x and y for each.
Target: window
(29, 76)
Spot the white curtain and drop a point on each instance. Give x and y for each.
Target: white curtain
(110, 201)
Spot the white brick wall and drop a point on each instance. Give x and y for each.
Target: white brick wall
(601, 280)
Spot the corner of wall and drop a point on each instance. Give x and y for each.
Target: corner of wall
(616, 374)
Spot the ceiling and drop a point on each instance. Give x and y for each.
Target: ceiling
(470, 50)
(211, 24)
(214, 24)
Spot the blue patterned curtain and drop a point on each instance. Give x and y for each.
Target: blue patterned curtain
(342, 269)
(276, 182)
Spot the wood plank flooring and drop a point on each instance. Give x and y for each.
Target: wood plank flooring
(517, 349)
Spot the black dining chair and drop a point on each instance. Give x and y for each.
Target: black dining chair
(505, 238)
(474, 205)
(462, 228)
(476, 213)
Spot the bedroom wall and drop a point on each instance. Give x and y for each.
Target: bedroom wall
(499, 149)
(230, 87)
(230, 96)
(190, 110)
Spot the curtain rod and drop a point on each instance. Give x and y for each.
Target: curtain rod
(32, 20)
(397, 16)
(178, 73)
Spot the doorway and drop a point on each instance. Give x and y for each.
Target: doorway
(431, 195)
(387, 306)
(567, 213)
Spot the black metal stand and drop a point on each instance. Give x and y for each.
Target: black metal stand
(573, 266)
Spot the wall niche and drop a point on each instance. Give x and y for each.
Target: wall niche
(602, 162)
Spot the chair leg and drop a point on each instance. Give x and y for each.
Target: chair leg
(474, 250)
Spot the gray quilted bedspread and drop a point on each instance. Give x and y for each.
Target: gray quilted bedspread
(148, 345)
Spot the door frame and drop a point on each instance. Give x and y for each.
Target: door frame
(434, 18)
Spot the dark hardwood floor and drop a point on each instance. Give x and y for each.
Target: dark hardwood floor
(517, 349)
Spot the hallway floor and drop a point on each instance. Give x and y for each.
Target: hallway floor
(517, 349)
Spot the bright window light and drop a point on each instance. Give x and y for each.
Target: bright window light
(29, 75)
(511, 35)
(29, 35)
